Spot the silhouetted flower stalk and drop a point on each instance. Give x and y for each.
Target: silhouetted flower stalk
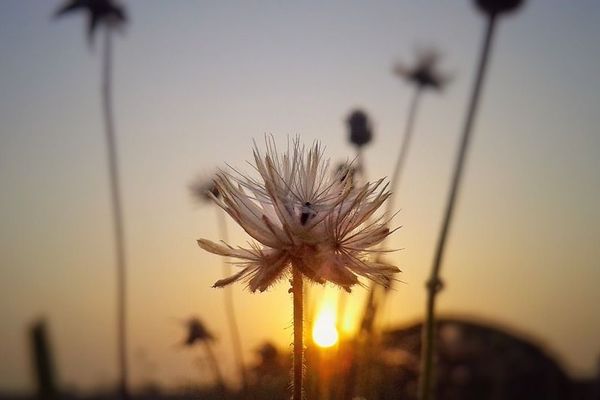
(308, 224)
(197, 333)
(107, 14)
(229, 306)
(117, 213)
(360, 135)
(298, 302)
(203, 190)
(492, 9)
(423, 75)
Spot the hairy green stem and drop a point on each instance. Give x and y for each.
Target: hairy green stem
(117, 214)
(434, 284)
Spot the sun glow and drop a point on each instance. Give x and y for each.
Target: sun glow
(325, 332)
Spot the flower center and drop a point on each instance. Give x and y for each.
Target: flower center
(307, 212)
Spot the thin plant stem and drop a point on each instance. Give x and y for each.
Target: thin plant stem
(229, 305)
(298, 363)
(434, 284)
(117, 215)
(360, 164)
(212, 359)
(404, 147)
(375, 297)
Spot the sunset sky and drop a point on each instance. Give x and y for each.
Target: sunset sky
(197, 81)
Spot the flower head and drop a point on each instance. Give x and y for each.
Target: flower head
(424, 73)
(301, 217)
(346, 171)
(99, 11)
(495, 7)
(196, 332)
(203, 189)
(359, 128)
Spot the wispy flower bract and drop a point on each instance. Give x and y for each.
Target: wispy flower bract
(302, 217)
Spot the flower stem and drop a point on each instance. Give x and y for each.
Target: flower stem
(404, 147)
(229, 307)
(377, 292)
(298, 367)
(434, 284)
(212, 359)
(360, 164)
(117, 215)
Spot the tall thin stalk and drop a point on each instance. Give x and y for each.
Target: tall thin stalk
(229, 306)
(212, 359)
(404, 147)
(375, 296)
(360, 164)
(117, 214)
(298, 363)
(434, 284)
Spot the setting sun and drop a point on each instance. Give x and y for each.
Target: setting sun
(324, 332)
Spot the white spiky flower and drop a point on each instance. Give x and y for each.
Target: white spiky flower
(302, 217)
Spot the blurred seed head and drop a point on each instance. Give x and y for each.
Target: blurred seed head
(497, 7)
(359, 128)
(346, 172)
(203, 189)
(424, 72)
(107, 12)
(268, 353)
(196, 332)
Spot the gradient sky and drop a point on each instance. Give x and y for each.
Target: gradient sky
(196, 81)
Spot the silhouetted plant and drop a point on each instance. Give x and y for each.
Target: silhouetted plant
(360, 133)
(110, 15)
(423, 75)
(496, 7)
(43, 361)
(197, 333)
(204, 190)
(346, 171)
(270, 373)
(492, 10)
(308, 224)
